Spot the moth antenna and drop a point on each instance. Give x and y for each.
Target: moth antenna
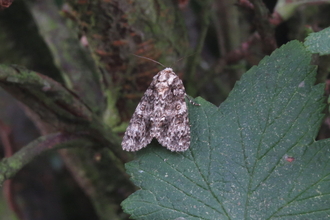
(184, 57)
(150, 60)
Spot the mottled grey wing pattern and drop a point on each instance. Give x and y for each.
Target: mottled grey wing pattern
(161, 114)
(175, 130)
(138, 134)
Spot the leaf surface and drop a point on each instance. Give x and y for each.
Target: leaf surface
(319, 42)
(254, 157)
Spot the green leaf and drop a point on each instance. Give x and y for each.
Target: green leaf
(254, 157)
(319, 42)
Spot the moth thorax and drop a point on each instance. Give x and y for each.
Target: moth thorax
(162, 88)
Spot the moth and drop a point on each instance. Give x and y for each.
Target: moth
(162, 114)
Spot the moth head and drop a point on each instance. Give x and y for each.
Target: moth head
(166, 76)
